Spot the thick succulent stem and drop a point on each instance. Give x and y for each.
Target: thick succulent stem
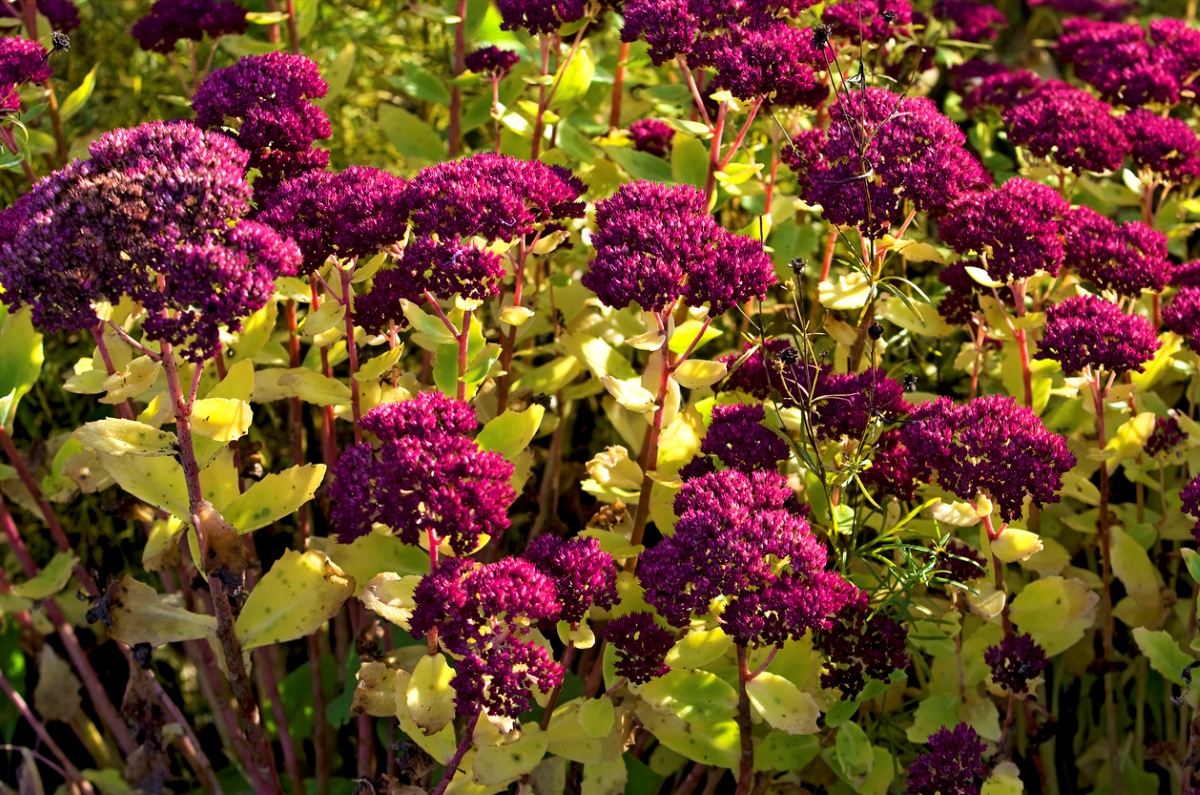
(745, 728)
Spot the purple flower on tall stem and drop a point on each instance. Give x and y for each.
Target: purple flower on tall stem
(893, 471)
(738, 437)
(861, 646)
(426, 477)
(872, 21)
(493, 62)
(776, 62)
(1126, 259)
(1068, 126)
(172, 21)
(953, 766)
(641, 645)
(989, 446)
(1167, 147)
(1116, 59)
(1016, 661)
(1180, 46)
(668, 26)
(1190, 497)
(1182, 315)
(652, 136)
(540, 17)
(847, 403)
(1089, 334)
(1166, 437)
(266, 103)
(972, 21)
(883, 152)
(21, 61)
(583, 575)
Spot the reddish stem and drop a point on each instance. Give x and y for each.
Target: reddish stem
(352, 350)
(460, 47)
(70, 772)
(614, 116)
(464, 339)
(293, 30)
(552, 699)
(456, 760)
(714, 155)
(745, 729)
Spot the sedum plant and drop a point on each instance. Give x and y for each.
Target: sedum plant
(658, 396)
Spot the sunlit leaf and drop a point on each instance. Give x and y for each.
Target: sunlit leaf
(300, 593)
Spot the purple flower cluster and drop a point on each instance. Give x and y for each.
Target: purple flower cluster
(846, 403)
(656, 243)
(539, 17)
(777, 62)
(861, 646)
(1181, 45)
(953, 766)
(883, 150)
(21, 61)
(961, 304)
(972, 21)
(668, 26)
(641, 645)
(733, 531)
(491, 61)
(426, 477)
(1117, 61)
(738, 437)
(803, 154)
(484, 614)
(1101, 9)
(1182, 315)
(893, 471)
(989, 446)
(1190, 497)
(1166, 436)
(652, 136)
(1069, 126)
(867, 20)
(63, 15)
(269, 99)
(172, 21)
(1089, 333)
(991, 87)
(1166, 147)
(495, 197)
(1126, 259)
(1014, 229)
(352, 214)
(1186, 274)
(960, 563)
(761, 371)
(583, 574)
(163, 200)
(1015, 661)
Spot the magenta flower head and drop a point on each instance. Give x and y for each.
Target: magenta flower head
(656, 243)
(1179, 48)
(860, 646)
(760, 371)
(960, 563)
(1117, 61)
(668, 26)
(846, 403)
(873, 21)
(162, 199)
(1126, 259)
(539, 17)
(172, 21)
(1013, 229)
(485, 614)
(972, 21)
(803, 154)
(652, 136)
(1182, 315)
(733, 530)
(21, 61)
(493, 62)
(1016, 661)
(961, 304)
(583, 574)
(1166, 147)
(356, 213)
(1086, 333)
(997, 90)
(425, 477)
(269, 99)
(953, 766)
(912, 152)
(894, 472)
(1069, 126)
(495, 197)
(1190, 497)
(63, 15)
(989, 446)
(776, 62)
(1166, 437)
(641, 645)
(738, 437)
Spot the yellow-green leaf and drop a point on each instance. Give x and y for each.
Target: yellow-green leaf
(568, 739)
(1163, 652)
(716, 743)
(300, 593)
(52, 578)
(609, 778)
(511, 432)
(691, 695)
(381, 364)
(440, 746)
(158, 480)
(117, 437)
(221, 419)
(495, 764)
(430, 694)
(850, 292)
(139, 615)
(133, 380)
(1133, 567)
(698, 648)
(274, 497)
(281, 384)
(256, 331)
(390, 597)
(782, 704)
(375, 553)
(596, 716)
(697, 373)
(79, 97)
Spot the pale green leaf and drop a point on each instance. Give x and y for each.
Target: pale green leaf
(300, 593)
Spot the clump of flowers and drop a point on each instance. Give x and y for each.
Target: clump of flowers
(539, 17)
(1126, 259)
(1165, 147)
(583, 574)
(21, 61)
(641, 645)
(1181, 45)
(739, 537)
(961, 304)
(959, 562)
(893, 471)
(1190, 499)
(953, 766)
(426, 477)
(668, 27)
(991, 87)
(1116, 59)
(486, 615)
(972, 21)
(1166, 437)
(861, 646)
(493, 62)
(652, 136)
(1014, 229)
(63, 15)
(1086, 333)
(1016, 661)
(989, 446)
(266, 103)
(846, 403)
(656, 244)
(163, 200)
(1182, 315)
(883, 151)
(738, 437)
(867, 20)
(1069, 126)
(172, 21)
(774, 61)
